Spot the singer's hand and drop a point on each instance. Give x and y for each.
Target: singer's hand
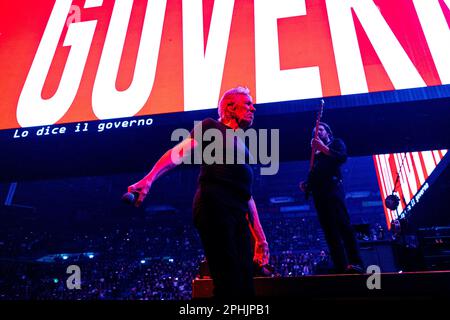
(262, 253)
(141, 187)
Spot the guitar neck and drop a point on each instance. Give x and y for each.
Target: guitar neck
(316, 133)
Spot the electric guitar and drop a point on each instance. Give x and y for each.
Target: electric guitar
(313, 150)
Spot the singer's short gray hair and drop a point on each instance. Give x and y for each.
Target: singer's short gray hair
(228, 100)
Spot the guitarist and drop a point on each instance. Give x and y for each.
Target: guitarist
(325, 184)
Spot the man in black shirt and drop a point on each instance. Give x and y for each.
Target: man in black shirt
(325, 183)
(225, 213)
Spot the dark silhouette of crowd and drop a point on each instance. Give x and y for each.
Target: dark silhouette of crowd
(147, 259)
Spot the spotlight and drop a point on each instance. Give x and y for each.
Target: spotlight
(392, 202)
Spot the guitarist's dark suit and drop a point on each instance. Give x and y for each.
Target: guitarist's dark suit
(325, 184)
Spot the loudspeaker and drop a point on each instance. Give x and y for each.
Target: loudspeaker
(379, 253)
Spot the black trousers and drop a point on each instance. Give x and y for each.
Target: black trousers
(225, 235)
(335, 222)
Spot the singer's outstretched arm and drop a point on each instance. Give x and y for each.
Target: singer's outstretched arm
(168, 161)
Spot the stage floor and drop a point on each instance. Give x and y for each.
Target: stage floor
(416, 285)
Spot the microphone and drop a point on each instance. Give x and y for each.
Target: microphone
(130, 197)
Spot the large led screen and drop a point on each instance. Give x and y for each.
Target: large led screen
(405, 175)
(69, 61)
